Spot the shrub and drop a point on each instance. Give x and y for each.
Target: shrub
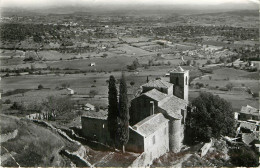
(17, 106)
(244, 157)
(7, 101)
(40, 87)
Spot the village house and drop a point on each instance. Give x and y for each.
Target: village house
(157, 118)
(248, 113)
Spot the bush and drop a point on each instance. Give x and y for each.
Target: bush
(244, 157)
(7, 101)
(40, 87)
(93, 93)
(17, 106)
(255, 95)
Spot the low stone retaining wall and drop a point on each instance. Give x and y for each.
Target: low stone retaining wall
(76, 159)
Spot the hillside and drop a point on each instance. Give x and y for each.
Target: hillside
(22, 139)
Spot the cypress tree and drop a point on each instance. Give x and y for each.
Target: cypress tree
(123, 119)
(112, 108)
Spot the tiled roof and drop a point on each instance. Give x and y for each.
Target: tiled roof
(249, 110)
(173, 105)
(247, 138)
(157, 84)
(155, 94)
(248, 125)
(150, 124)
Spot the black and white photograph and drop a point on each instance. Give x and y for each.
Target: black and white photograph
(129, 83)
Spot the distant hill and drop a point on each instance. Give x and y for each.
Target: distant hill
(133, 9)
(234, 13)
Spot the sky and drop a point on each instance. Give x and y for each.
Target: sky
(46, 3)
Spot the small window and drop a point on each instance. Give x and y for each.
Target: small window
(154, 139)
(165, 131)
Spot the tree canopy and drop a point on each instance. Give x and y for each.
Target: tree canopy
(123, 119)
(112, 107)
(212, 117)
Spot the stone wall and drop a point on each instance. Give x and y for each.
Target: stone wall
(95, 129)
(141, 108)
(176, 135)
(157, 143)
(181, 84)
(135, 142)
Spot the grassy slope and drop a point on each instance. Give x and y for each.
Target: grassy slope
(38, 145)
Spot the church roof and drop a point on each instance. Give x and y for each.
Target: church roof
(155, 94)
(157, 84)
(150, 124)
(173, 105)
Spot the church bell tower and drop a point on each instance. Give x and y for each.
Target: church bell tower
(180, 80)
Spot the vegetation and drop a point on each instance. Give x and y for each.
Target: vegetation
(40, 87)
(123, 119)
(56, 107)
(112, 108)
(212, 117)
(93, 93)
(243, 156)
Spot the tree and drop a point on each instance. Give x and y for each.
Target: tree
(132, 83)
(188, 62)
(209, 62)
(229, 86)
(65, 85)
(123, 118)
(244, 156)
(212, 117)
(57, 106)
(93, 93)
(40, 87)
(112, 108)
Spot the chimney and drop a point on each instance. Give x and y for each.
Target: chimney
(151, 108)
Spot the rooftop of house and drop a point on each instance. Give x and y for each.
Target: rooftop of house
(89, 105)
(150, 124)
(101, 114)
(248, 125)
(249, 110)
(179, 69)
(247, 138)
(157, 84)
(155, 94)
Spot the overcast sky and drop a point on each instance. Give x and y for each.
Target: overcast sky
(45, 3)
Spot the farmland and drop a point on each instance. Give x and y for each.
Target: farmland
(68, 58)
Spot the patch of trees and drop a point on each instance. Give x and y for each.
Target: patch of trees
(135, 64)
(57, 107)
(244, 156)
(16, 91)
(212, 116)
(231, 33)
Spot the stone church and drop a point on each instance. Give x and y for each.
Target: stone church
(157, 118)
(169, 99)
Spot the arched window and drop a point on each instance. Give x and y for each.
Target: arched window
(177, 81)
(186, 80)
